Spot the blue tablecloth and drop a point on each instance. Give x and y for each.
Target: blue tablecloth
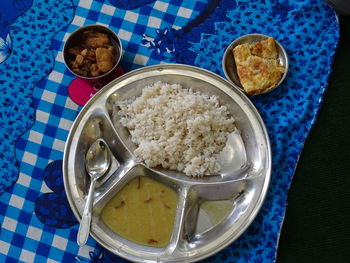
(36, 112)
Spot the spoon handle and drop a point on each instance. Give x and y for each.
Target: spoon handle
(84, 228)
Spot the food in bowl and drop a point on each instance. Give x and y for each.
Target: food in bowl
(257, 66)
(176, 128)
(93, 56)
(143, 211)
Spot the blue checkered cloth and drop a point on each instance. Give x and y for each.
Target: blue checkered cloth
(37, 113)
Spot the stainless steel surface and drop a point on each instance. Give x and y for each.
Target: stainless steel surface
(212, 211)
(229, 65)
(97, 163)
(98, 159)
(76, 37)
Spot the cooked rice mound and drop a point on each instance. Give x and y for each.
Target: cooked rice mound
(177, 128)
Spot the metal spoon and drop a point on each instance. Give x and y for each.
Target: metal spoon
(97, 163)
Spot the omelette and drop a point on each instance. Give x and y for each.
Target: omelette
(257, 66)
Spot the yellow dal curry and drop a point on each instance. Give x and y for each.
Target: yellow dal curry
(142, 212)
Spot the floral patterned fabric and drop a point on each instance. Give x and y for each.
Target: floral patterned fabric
(36, 112)
(29, 60)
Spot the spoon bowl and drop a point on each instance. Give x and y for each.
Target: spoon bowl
(97, 159)
(97, 163)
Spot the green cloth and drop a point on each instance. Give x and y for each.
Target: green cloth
(317, 223)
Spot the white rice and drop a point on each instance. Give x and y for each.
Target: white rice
(177, 128)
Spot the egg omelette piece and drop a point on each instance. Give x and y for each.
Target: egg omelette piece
(257, 66)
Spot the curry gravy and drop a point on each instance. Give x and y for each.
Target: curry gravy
(143, 211)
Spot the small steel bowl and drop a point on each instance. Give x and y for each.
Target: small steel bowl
(76, 37)
(229, 65)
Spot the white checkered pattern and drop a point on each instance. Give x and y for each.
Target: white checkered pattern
(65, 124)
(17, 201)
(161, 6)
(56, 76)
(85, 3)
(184, 12)
(27, 256)
(4, 247)
(29, 158)
(34, 233)
(131, 16)
(23, 180)
(42, 116)
(108, 9)
(78, 21)
(9, 224)
(59, 242)
(35, 137)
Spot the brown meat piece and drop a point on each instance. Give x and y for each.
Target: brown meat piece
(91, 55)
(80, 72)
(84, 52)
(75, 50)
(79, 59)
(88, 63)
(95, 70)
(74, 65)
(104, 59)
(110, 49)
(95, 39)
